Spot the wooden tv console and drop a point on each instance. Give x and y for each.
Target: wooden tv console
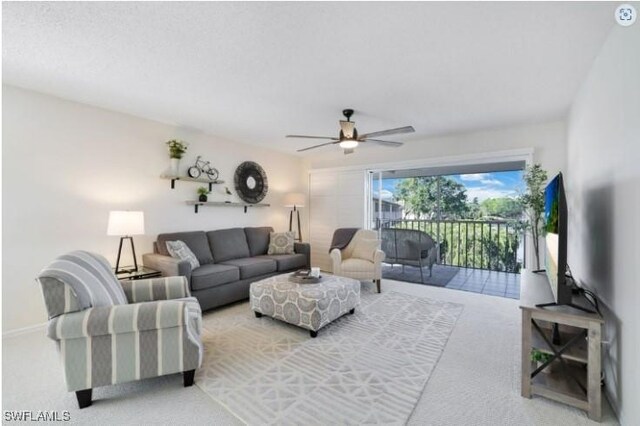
(573, 376)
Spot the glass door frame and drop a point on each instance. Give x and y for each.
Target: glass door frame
(373, 184)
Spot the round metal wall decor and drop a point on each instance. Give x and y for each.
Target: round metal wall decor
(251, 182)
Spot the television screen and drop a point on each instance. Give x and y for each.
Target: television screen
(555, 227)
(551, 229)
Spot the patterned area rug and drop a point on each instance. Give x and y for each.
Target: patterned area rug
(441, 275)
(370, 367)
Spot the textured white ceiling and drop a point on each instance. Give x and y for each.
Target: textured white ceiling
(253, 72)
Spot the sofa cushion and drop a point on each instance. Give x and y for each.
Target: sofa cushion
(288, 262)
(253, 266)
(196, 241)
(281, 243)
(213, 275)
(227, 244)
(357, 265)
(365, 249)
(258, 239)
(179, 250)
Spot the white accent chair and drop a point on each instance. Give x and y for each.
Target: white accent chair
(346, 265)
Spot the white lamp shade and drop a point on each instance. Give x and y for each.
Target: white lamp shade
(127, 223)
(294, 199)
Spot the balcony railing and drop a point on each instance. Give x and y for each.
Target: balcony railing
(495, 245)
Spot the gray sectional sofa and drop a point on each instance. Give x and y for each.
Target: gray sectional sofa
(230, 260)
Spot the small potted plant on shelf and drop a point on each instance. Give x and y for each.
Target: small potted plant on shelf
(538, 358)
(177, 148)
(202, 194)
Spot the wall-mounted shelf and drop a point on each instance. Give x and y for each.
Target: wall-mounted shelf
(173, 180)
(196, 204)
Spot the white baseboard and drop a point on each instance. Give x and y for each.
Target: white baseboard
(24, 330)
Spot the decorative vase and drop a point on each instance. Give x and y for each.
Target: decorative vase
(202, 198)
(175, 167)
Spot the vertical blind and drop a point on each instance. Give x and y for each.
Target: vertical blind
(337, 200)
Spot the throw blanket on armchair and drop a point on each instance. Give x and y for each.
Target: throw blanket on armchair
(342, 237)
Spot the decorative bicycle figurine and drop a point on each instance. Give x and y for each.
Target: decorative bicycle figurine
(202, 167)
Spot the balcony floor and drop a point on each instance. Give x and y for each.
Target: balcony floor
(494, 283)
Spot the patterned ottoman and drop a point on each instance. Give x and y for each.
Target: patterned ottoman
(310, 306)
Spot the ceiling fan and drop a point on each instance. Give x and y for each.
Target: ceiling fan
(348, 138)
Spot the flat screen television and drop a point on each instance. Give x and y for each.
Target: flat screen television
(555, 225)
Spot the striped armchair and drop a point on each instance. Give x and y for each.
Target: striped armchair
(112, 332)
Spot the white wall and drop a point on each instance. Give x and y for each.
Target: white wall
(65, 165)
(603, 191)
(547, 139)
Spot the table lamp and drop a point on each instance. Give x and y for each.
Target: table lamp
(125, 224)
(294, 201)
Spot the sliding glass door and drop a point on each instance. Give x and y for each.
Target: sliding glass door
(472, 212)
(374, 208)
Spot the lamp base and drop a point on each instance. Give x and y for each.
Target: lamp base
(299, 237)
(135, 261)
(122, 271)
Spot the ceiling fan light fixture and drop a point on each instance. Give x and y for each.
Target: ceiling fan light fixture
(348, 144)
(348, 138)
(348, 128)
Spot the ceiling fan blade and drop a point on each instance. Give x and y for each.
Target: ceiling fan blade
(317, 146)
(406, 129)
(312, 137)
(348, 151)
(385, 143)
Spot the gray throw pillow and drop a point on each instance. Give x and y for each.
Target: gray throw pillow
(179, 250)
(281, 243)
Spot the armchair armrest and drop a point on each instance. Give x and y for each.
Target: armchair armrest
(303, 248)
(169, 266)
(117, 319)
(378, 257)
(336, 260)
(156, 289)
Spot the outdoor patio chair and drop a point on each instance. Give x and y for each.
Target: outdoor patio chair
(409, 247)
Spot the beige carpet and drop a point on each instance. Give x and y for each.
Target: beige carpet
(366, 368)
(476, 380)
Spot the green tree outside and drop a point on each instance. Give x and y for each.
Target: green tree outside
(474, 234)
(420, 197)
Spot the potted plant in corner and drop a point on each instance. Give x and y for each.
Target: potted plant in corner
(177, 148)
(533, 202)
(202, 194)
